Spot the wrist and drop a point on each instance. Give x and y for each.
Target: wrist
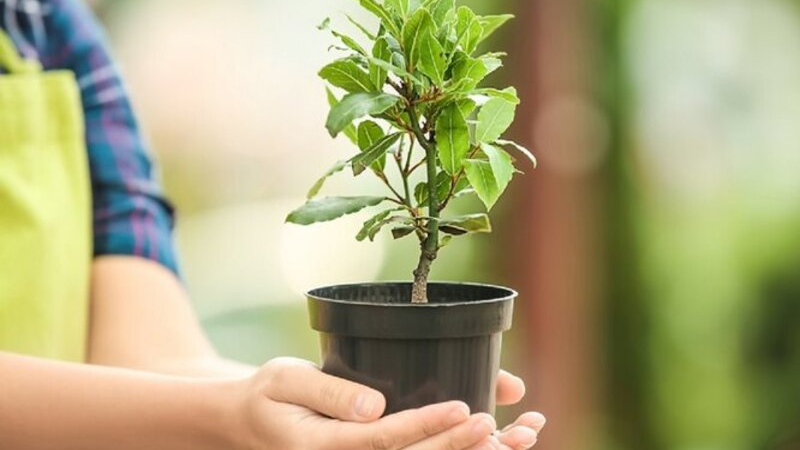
(219, 413)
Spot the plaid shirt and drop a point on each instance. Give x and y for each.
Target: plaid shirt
(131, 215)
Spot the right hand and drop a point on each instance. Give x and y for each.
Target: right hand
(289, 404)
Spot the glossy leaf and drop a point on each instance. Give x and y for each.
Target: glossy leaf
(356, 105)
(380, 51)
(370, 223)
(472, 70)
(400, 232)
(349, 130)
(443, 183)
(432, 61)
(508, 94)
(501, 163)
(452, 135)
(490, 24)
(414, 32)
(374, 153)
(472, 223)
(346, 74)
(519, 148)
(350, 43)
(382, 13)
(480, 176)
(403, 7)
(369, 133)
(329, 208)
(378, 226)
(400, 72)
(494, 119)
(468, 29)
(466, 106)
(338, 167)
(441, 10)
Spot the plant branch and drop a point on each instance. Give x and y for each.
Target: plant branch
(430, 246)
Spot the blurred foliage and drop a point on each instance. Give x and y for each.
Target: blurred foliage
(702, 309)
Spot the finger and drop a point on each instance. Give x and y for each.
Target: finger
(533, 420)
(519, 437)
(510, 389)
(477, 429)
(394, 431)
(490, 443)
(301, 383)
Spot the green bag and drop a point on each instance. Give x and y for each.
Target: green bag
(45, 212)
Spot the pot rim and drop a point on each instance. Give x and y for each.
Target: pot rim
(509, 294)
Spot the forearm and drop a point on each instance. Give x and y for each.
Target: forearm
(141, 319)
(53, 405)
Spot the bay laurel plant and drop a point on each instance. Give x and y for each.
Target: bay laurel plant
(413, 103)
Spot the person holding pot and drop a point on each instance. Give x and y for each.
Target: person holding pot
(98, 345)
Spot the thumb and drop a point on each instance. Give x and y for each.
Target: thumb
(302, 383)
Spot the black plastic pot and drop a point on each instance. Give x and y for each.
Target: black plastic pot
(415, 354)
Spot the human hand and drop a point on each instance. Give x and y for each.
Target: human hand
(290, 404)
(524, 431)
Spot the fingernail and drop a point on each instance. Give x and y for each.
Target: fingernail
(366, 404)
(539, 419)
(458, 415)
(484, 427)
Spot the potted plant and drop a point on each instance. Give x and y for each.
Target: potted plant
(414, 106)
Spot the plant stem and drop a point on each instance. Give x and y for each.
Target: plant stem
(430, 246)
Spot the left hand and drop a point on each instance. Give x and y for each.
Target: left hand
(523, 433)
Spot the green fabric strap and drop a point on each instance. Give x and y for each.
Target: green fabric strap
(45, 211)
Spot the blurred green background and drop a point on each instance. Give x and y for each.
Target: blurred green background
(656, 249)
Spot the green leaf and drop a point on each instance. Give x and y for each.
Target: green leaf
(441, 10)
(491, 62)
(346, 74)
(329, 208)
(481, 177)
(444, 241)
(356, 105)
(349, 130)
(466, 106)
(370, 223)
(376, 228)
(472, 223)
(468, 29)
(324, 24)
(350, 43)
(374, 153)
(452, 136)
(443, 183)
(318, 185)
(414, 31)
(369, 133)
(494, 119)
(380, 51)
(400, 72)
(363, 29)
(403, 7)
(432, 61)
(471, 70)
(491, 23)
(501, 163)
(509, 94)
(386, 19)
(520, 148)
(400, 232)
